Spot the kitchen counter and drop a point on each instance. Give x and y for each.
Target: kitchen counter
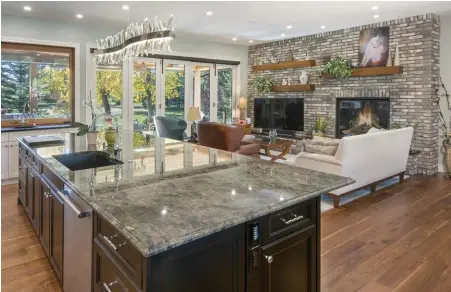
(158, 210)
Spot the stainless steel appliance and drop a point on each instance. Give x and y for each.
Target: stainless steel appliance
(78, 226)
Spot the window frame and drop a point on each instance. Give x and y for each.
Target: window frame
(41, 47)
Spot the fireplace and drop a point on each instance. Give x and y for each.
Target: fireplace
(357, 116)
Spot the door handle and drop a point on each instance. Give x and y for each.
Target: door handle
(107, 286)
(269, 259)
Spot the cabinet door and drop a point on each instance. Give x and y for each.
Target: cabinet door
(13, 160)
(22, 179)
(215, 263)
(5, 160)
(29, 191)
(44, 226)
(56, 232)
(289, 264)
(35, 197)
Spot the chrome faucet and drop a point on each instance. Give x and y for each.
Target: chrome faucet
(93, 128)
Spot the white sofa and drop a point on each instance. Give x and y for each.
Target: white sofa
(367, 158)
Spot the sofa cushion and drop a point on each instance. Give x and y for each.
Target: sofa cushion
(318, 157)
(313, 146)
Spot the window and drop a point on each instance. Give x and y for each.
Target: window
(37, 83)
(109, 90)
(225, 93)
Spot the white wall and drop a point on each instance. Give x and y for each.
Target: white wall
(445, 67)
(85, 36)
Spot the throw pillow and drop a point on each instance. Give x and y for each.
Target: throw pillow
(375, 130)
(312, 146)
(326, 141)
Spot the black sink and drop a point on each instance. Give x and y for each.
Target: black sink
(86, 159)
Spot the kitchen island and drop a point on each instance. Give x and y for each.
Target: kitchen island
(174, 217)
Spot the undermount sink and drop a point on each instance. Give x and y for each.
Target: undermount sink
(86, 160)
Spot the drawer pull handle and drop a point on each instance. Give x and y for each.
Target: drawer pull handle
(269, 259)
(47, 195)
(295, 219)
(111, 244)
(107, 286)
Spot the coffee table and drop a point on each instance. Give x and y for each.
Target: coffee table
(267, 146)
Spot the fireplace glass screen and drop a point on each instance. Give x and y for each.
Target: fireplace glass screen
(357, 116)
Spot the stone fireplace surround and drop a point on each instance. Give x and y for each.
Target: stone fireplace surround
(410, 93)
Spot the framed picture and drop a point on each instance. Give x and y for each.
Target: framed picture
(373, 49)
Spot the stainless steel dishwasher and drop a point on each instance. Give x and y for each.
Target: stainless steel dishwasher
(77, 261)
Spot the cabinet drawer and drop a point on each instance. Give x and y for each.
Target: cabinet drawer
(127, 256)
(295, 217)
(108, 275)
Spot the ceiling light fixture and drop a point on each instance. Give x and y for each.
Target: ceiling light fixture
(282, 35)
(209, 13)
(374, 8)
(251, 41)
(323, 27)
(150, 36)
(289, 26)
(27, 8)
(79, 16)
(376, 16)
(125, 7)
(234, 39)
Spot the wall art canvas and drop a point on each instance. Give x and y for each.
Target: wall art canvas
(374, 47)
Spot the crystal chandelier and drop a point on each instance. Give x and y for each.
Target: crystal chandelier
(138, 39)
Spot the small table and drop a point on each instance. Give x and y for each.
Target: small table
(267, 146)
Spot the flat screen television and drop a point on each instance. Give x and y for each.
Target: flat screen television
(279, 113)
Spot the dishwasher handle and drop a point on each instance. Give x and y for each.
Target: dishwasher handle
(67, 200)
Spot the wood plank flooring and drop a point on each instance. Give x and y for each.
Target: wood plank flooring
(398, 239)
(25, 267)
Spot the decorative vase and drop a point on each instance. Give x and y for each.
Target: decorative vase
(110, 137)
(389, 59)
(396, 61)
(304, 77)
(319, 134)
(91, 138)
(273, 135)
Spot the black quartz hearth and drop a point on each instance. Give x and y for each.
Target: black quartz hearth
(357, 116)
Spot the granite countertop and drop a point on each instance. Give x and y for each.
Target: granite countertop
(35, 128)
(202, 190)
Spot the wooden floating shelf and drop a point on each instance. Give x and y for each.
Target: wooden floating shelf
(293, 88)
(285, 65)
(373, 71)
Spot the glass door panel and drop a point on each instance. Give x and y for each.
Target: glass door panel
(174, 91)
(144, 102)
(201, 90)
(225, 94)
(109, 90)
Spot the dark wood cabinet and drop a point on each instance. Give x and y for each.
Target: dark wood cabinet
(33, 198)
(52, 226)
(289, 264)
(22, 179)
(215, 263)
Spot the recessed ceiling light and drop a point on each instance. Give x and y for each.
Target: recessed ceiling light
(251, 41)
(27, 8)
(234, 39)
(376, 16)
(125, 7)
(289, 27)
(209, 13)
(79, 16)
(38, 55)
(282, 35)
(374, 8)
(323, 27)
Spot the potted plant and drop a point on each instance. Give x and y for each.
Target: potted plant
(83, 130)
(320, 126)
(337, 67)
(442, 93)
(263, 84)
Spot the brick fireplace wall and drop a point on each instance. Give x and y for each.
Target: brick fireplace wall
(410, 93)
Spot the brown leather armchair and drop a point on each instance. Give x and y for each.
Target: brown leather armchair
(225, 137)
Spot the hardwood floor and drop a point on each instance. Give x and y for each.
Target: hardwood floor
(398, 239)
(24, 264)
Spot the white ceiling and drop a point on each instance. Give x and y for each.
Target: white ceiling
(261, 21)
